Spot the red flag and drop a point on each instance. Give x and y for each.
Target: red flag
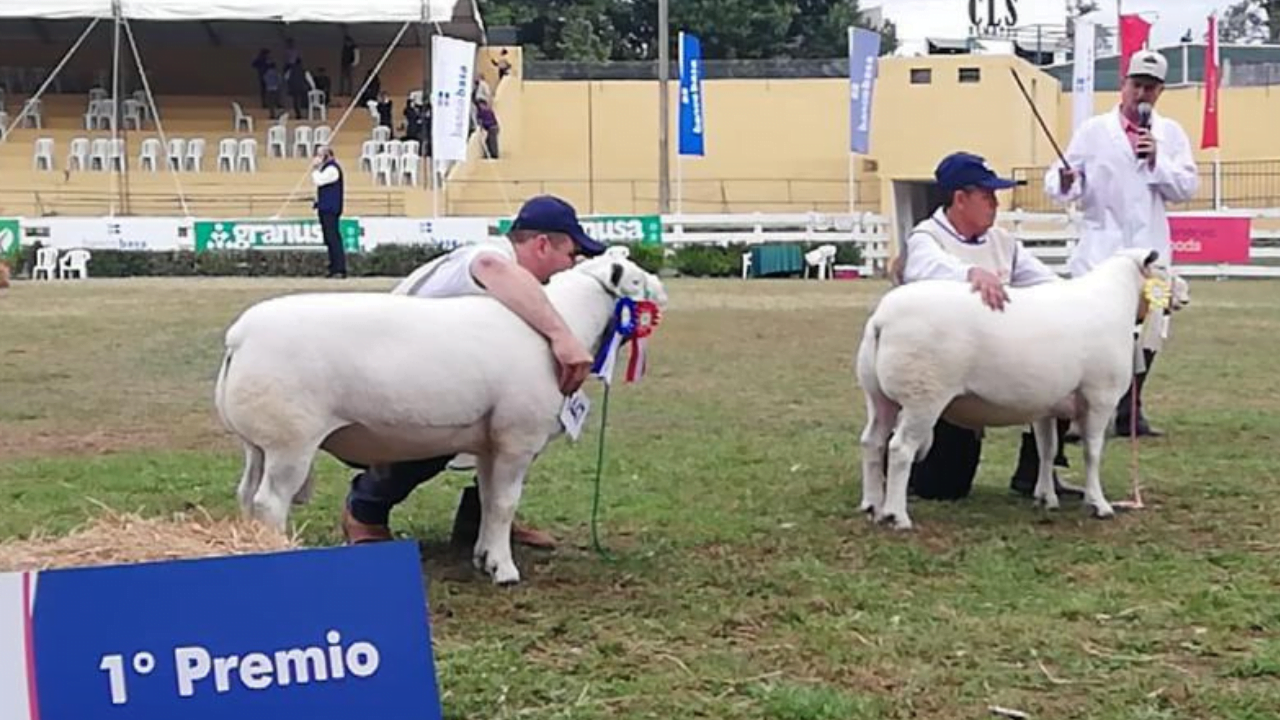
(1134, 32)
(1209, 132)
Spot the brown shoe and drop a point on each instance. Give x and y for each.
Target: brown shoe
(531, 537)
(357, 532)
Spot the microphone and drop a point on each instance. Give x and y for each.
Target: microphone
(1144, 122)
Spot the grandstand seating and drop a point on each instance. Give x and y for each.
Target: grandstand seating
(255, 180)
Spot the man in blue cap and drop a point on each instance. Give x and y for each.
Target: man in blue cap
(961, 242)
(544, 239)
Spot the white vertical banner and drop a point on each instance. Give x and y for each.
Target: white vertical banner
(17, 673)
(1083, 73)
(452, 66)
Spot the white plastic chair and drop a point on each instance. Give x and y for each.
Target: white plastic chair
(43, 159)
(98, 154)
(302, 143)
(410, 147)
(315, 106)
(382, 133)
(195, 154)
(384, 169)
(395, 148)
(46, 263)
(33, 113)
(78, 155)
(241, 118)
(149, 156)
(98, 93)
(369, 149)
(408, 167)
(248, 156)
(4, 122)
(132, 113)
(175, 152)
(821, 258)
(746, 264)
(227, 154)
(115, 154)
(75, 262)
(277, 138)
(322, 135)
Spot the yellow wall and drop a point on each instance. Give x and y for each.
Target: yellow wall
(777, 144)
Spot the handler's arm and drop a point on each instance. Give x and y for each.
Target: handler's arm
(515, 288)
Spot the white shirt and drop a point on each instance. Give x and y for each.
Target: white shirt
(927, 261)
(326, 176)
(450, 275)
(1122, 198)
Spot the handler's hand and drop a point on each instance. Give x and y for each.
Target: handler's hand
(990, 287)
(1067, 178)
(573, 363)
(1147, 144)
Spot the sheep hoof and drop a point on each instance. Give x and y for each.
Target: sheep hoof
(870, 509)
(1047, 502)
(1103, 510)
(899, 522)
(509, 578)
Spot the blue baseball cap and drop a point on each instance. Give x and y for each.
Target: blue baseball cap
(961, 170)
(548, 213)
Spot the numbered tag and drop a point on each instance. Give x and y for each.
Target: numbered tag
(574, 414)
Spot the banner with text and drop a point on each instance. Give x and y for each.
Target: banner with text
(691, 120)
(864, 54)
(252, 637)
(10, 235)
(452, 65)
(257, 234)
(621, 229)
(447, 233)
(1202, 239)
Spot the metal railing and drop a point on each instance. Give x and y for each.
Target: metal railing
(640, 196)
(1245, 184)
(96, 203)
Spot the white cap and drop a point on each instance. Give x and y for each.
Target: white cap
(1149, 64)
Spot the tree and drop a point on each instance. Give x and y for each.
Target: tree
(1077, 9)
(1247, 22)
(729, 29)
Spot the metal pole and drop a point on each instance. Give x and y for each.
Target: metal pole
(591, 137)
(664, 72)
(115, 100)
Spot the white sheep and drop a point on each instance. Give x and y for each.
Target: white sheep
(1058, 350)
(375, 378)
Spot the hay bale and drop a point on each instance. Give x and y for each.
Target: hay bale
(115, 538)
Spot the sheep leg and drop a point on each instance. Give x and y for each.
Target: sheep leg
(1093, 437)
(284, 474)
(501, 482)
(1046, 431)
(250, 480)
(913, 432)
(881, 415)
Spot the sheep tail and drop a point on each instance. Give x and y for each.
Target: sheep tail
(220, 391)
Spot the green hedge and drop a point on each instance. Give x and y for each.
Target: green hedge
(382, 261)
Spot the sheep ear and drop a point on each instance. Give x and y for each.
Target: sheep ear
(615, 275)
(1151, 258)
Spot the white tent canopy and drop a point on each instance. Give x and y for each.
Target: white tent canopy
(335, 11)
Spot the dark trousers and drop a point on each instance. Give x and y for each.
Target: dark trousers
(333, 243)
(491, 143)
(1125, 408)
(378, 489)
(1027, 472)
(947, 472)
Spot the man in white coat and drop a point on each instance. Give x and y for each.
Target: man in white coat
(1126, 165)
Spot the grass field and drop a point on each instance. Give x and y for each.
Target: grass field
(743, 582)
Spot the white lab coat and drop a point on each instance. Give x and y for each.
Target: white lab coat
(1123, 200)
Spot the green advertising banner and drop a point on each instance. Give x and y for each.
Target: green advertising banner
(246, 234)
(615, 229)
(10, 236)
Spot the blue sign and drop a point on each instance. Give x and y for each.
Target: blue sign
(692, 127)
(317, 634)
(864, 54)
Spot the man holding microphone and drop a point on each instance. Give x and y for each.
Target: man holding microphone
(1126, 166)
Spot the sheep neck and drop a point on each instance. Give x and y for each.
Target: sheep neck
(585, 305)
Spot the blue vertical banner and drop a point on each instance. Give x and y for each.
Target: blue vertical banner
(864, 54)
(692, 127)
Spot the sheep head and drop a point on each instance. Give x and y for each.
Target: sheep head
(1159, 285)
(624, 278)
